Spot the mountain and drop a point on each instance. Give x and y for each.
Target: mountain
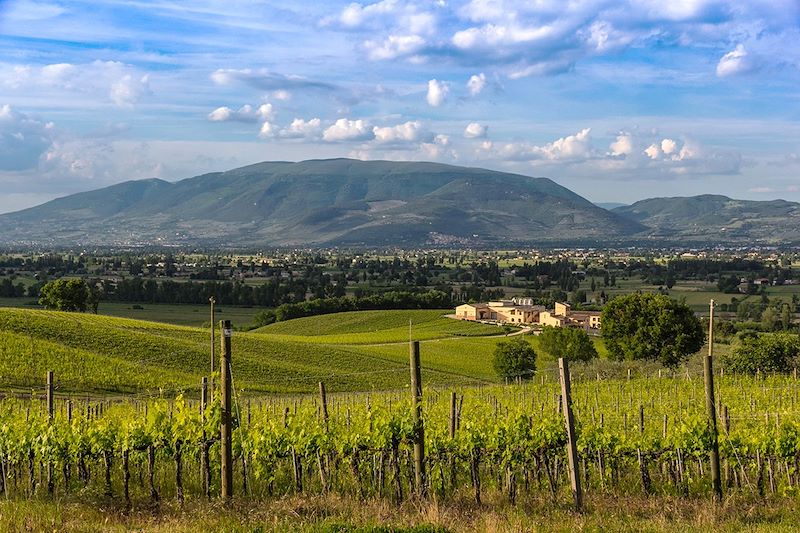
(321, 202)
(717, 218)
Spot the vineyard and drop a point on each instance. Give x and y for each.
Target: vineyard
(117, 355)
(648, 435)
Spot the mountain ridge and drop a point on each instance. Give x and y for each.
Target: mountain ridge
(321, 202)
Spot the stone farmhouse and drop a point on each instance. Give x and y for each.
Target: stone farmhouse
(521, 311)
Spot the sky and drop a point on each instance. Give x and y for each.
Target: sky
(617, 100)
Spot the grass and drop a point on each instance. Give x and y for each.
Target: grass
(332, 514)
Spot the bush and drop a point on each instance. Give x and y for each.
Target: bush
(570, 343)
(774, 352)
(515, 358)
(264, 318)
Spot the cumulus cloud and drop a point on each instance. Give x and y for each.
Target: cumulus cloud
(303, 129)
(437, 92)
(547, 37)
(348, 130)
(475, 131)
(408, 132)
(738, 61)
(246, 113)
(122, 84)
(476, 84)
(622, 146)
(394, 46)
(23, 139)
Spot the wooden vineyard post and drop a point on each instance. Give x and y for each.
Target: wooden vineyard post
(453, 415)
(205, 470)
(419, 430)
(50, 415)
(323, 397)
(572, 449)
(212, 301)
(226, 473)
(708, 374)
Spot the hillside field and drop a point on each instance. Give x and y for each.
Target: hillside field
(349, 351)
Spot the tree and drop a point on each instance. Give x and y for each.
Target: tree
(570, 343)
(264, 318)
(65, 295)
(515, 358)
(651, 326)
(772, 352)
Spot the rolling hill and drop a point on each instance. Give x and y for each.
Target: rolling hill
(364, 350)
(717, 218)
(321, 202)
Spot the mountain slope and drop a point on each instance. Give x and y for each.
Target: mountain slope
(337, 201)
(717, 218)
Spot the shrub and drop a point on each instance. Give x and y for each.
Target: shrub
(515, 358)
(774, 352)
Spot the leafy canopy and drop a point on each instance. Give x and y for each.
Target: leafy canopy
(515, 358)
(651, 326)
(66, 295)
(773, 352)
(570, 343)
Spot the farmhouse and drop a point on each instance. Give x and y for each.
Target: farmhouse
(514, 311)
(522, 311)
(563, 316)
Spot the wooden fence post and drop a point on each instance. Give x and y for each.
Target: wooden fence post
(453, 415)
(572, 449)
(50, 416)
(226, 474)
(324, 400)
(205, 470)
(419, 429)
(708, 374)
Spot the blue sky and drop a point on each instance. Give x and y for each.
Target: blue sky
(617, 100)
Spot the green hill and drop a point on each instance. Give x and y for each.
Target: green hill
(717, 218)
(349, 352)
(337, 201)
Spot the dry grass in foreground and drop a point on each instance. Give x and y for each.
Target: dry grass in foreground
(329, 514)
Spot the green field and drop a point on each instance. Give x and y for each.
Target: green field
(109, 354)
(178, 314)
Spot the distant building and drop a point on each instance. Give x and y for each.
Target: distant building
(564, 317)
(522, 311)
(514, 311)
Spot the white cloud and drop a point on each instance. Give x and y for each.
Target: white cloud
(282, 95)
(23, 139)
(122, 84)
(437, 92)
(476, 84)
(394, 46)
(408, 132)
(668, 146)
(268, 129)
(348, 130)
(623, 146)
(303, 129)
(578, 146)
(128, 90)
(246, 113)
(735, 62)
(475, 131)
